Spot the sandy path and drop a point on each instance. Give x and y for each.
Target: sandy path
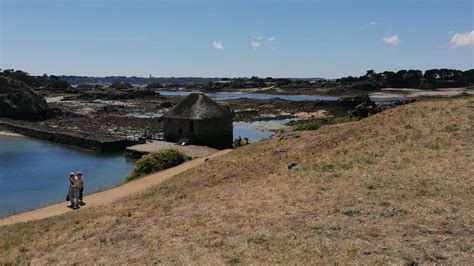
(108, 196)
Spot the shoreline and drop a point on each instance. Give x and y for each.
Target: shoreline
(118, 145)
(112, 194)
(10, 134)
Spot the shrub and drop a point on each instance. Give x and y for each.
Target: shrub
(155, 162)
(155, 85)
(364, 86)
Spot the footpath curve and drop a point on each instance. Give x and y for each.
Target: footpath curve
(110, 195)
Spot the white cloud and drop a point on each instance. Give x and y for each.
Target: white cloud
(372, 23)
(271, 39)
(218, 45)
(255, 44)
(463, 39)
(392, 40)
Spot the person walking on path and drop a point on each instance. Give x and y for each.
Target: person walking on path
(73, 194)
(71, 180)
(81, 184)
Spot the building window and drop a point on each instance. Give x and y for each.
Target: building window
(180, 131)
(191, 126)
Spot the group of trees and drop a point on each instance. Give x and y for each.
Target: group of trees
(430, 79)
(45, 82)
(236, 83)
(106, 81)
(371, 81)
(256, 82)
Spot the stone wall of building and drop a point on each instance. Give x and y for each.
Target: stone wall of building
(215, 133)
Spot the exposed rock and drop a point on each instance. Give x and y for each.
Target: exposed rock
(361, 110)
(352, 212)
(19, 101)
(166, 104)
(291, 166)
(353, 101)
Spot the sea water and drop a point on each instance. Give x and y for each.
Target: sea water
(34, 173)
(223, 96)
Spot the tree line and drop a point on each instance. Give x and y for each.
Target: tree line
(371, 81)
(430, 79)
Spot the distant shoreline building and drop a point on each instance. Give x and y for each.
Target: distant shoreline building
(201, 121)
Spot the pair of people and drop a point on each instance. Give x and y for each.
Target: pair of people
(76, 190)
(241, 142)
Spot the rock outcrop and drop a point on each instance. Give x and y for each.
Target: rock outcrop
(353, 101)
(19, 101)
(358, 105)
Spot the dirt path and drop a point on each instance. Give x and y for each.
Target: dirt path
(108, 196)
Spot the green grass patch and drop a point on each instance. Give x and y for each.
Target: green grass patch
(315, 124)
(155, 162)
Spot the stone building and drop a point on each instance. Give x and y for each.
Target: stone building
(199, 120)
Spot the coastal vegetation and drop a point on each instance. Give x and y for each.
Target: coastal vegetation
(20, 101)
(155, 162)
(393, 188)
(371, 81)
(52, 83)
(117, 88)
(314, 124)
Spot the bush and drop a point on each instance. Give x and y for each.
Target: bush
(121, 85)
(155, 85)
(155, 162)
(364, 86)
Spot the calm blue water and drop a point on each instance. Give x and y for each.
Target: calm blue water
(222, 96)
(34, 173)
(249, 129)
(256, 96)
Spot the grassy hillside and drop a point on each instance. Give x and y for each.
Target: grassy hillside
(396, 187)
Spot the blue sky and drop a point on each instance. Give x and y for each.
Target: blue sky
(281, 38)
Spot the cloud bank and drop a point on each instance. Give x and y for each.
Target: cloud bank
(392, 40)
(218, 45)
(463, 39)
(255, 44)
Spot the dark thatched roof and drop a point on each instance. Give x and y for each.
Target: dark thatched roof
(197, 106)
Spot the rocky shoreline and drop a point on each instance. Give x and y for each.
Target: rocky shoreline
(70, 140)
(112, 125)
(111, 119)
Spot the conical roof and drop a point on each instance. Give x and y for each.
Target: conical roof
(197, 106)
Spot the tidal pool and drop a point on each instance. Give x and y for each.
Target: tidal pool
(254, 131)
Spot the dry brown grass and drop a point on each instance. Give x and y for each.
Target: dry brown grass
(393, 188)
